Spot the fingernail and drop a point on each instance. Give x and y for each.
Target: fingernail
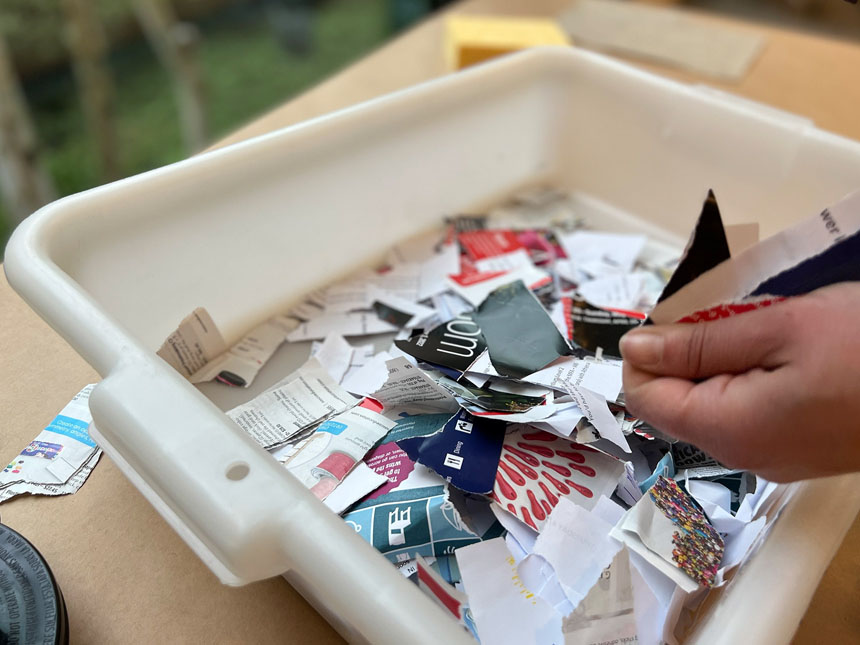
(642, 347)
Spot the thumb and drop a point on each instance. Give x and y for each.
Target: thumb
(732, 345)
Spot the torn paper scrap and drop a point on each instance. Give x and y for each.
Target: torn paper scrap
(490, 399)
(370, 376)
(404, 524)
(465, 453)
(402, 281)
(537, 468)
(595, 409)
(521, 338)
(606, 614)
(593, 328)
(504, 262)
(300, 400)
(360, 482)
(708, 246)
(72, 485)
(623, 291)
(398, 311)
(335, 354)
(445, 594)
(194, 343)
(505, 611)
(409, 390)
(474, 287)
(337, 446)
(198, 351)
(59, 459)
(239, 365)
(577, 545)
(391, 461)
(604, 378)
(691, 461)
(354, 323)
(667, 529)
(597, 254)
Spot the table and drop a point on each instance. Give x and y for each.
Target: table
(127, 577)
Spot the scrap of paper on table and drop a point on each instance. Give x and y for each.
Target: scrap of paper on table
(59, 460)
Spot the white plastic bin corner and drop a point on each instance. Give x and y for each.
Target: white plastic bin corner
(248, 230)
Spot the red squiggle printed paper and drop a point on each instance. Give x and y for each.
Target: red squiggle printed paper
(538, 468)
(724, 311)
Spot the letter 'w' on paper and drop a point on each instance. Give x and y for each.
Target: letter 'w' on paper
(455, 344)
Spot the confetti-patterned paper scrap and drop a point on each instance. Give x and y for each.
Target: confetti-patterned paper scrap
(698, 548)
(537, 468)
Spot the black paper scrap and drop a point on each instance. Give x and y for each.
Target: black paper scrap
(454, 344)
(391, 315)
(521, 338)
(706, 248)
(594, 327)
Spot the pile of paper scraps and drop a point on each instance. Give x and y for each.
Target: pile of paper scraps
(479, 440)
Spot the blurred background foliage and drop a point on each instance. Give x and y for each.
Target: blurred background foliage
(250, 55)
(148, 82)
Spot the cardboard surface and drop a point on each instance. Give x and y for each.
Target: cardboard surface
(127, 577)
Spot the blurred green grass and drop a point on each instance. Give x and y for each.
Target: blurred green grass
(246, 72)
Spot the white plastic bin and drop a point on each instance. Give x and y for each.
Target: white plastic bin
(248, 230)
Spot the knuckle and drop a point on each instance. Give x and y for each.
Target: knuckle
(694, 349)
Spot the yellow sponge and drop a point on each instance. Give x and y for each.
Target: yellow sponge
(472, 39)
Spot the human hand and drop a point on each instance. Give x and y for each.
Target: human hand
(775, 390)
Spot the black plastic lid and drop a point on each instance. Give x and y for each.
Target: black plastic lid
(32, 609)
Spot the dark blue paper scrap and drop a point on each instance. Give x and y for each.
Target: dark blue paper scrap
(466, 452)
(839, 263)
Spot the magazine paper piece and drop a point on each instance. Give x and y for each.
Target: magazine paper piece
(198, 351)
(297, 402)
(537, 468)
(59, 460)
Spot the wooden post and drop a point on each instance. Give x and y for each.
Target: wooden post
(175, 44)
(89, 49)
(24, 184)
